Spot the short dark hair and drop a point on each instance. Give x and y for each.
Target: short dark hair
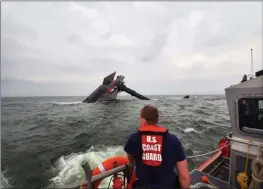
(150, 114)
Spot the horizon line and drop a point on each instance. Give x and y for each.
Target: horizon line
(201, 94)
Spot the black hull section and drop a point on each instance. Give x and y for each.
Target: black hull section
(133, 93)
(93, 97)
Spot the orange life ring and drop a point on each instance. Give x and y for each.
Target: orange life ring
(109, 164)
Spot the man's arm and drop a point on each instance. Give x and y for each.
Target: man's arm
(130, 157)
(183, 174)
(131, 161)
(130, 148)
(181, 163)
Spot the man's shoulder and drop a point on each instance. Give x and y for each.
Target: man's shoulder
(176, 147)
(131, 144)
(133, 135)
(173, 138)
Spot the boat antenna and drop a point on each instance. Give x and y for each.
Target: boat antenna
(251, 63)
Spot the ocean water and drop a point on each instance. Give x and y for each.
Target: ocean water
(43, 139)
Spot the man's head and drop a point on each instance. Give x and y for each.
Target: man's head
(149, 115)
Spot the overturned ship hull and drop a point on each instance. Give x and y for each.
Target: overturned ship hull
(110, 89)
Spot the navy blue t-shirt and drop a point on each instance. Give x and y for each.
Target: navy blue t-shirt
(164, 175)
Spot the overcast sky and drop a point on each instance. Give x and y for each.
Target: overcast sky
(67, 48)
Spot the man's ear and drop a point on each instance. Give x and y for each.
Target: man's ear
(143, 122)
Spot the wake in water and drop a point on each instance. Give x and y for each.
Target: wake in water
(4, 181)
(69, 171)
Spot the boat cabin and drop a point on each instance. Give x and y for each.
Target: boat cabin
(245, 106)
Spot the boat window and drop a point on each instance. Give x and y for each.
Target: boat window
(250, 112)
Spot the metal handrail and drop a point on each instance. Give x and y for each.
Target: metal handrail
(85, 165)
(244, 141)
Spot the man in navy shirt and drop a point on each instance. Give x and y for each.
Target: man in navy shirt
(159, 156)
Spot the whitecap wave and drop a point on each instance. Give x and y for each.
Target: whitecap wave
(188, 130)
(4, 181)
(67, 103)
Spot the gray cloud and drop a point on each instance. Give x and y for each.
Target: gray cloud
(12, 87)
(172, 46)
(154, 49)
(72, 38)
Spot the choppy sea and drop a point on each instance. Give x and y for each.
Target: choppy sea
(43, 139)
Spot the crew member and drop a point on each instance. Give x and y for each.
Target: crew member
(158, 155)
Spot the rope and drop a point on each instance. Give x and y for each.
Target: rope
(242, 177)
(257, 171)
(110, 181)
(211, 152)
(249, 142)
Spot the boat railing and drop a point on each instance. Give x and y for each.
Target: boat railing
(91, 179)
(245, 141)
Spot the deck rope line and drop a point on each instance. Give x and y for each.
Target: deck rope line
(257, 170)
(242, 177)
(211, 152)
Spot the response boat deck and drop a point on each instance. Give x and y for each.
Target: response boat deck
(217, 173)
(239, 152)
